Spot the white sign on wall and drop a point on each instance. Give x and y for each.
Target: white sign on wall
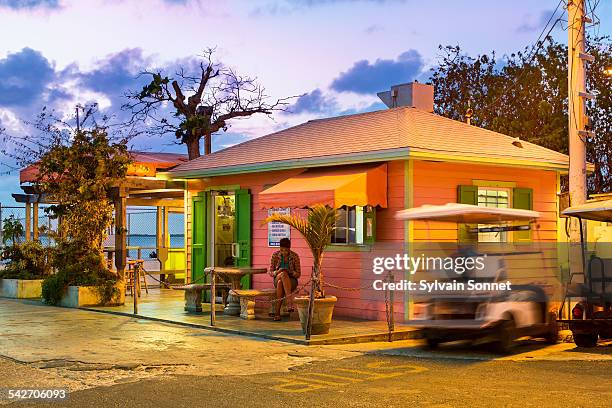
(277, 230)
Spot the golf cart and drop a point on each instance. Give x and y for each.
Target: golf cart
(484, 313)
(591, 314)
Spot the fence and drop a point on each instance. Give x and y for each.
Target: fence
(19, 213)
(141, 225)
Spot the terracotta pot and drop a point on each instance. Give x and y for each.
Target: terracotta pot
(322, 316)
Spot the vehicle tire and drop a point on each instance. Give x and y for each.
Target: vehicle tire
(587, 340)
(506, 335)
(552, 336)
(432, 343)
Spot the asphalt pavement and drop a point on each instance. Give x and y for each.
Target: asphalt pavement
(114, 361)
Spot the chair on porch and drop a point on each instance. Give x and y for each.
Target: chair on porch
(135, 271)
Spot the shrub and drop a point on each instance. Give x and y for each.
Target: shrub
(27, 260)
(78, 266)
(12, 230)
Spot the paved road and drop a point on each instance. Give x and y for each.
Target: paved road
(114, 361)
(371, 381)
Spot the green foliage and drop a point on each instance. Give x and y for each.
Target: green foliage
(154, 89)
(12, 230)
(27, 260)
(79, 176)
(107, 291)
(317, 231)
(53, 288)
(526, 97)
(77, 266)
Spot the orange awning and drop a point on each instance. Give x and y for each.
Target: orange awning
(347, 185)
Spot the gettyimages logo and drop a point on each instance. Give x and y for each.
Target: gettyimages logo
(465, 268)
(405, 263)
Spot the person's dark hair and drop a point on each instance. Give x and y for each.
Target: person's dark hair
(285, 243)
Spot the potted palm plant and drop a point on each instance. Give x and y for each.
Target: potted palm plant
(316, 230)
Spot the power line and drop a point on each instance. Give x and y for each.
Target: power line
(534, 51)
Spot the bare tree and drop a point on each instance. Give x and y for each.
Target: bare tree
(203, 103)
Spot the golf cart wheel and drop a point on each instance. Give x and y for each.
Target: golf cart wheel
(507, 333)
(552, 337)
(432, 343)
(585, 340)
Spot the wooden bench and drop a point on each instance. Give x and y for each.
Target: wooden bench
(247, 301)
(193, 294)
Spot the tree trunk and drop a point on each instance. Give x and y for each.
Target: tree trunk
(207, 143)
(193, 148)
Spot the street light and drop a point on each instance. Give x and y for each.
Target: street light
(608, 71)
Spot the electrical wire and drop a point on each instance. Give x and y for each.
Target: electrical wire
(534, 51)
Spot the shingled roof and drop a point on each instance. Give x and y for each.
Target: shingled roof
(403, 131)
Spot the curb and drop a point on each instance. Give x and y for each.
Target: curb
(405, 334)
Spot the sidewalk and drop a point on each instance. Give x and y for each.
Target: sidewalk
(32, 331)
(168, 306)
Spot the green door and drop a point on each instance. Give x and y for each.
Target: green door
(243, 233)
(198, 237)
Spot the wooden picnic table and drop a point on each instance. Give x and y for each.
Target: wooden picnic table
(234, 275)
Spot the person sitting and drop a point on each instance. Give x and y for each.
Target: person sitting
(285, 269)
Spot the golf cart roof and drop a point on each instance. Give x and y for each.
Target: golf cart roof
(466, 214)
(596, 211)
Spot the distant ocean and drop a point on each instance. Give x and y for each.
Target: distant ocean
(149, 242)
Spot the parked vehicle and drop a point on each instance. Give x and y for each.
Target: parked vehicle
(591, 315)
(484, 314)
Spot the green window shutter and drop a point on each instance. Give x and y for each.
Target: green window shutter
(369, 224)
(198, 237)
(467, 195)
(522, 198)
(243, 232)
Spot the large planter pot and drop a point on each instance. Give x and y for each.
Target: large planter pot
(20, 288)
(322, 315)
(81, 296)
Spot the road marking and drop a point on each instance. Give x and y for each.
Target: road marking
(291, 385)
(339, 377)
(414, 369)
(306, 382)
(370, 375)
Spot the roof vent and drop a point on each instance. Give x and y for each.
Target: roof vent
(413, 94)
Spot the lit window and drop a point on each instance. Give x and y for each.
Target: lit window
(349, 226)
(495, 198)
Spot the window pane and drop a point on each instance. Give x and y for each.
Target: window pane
(351, 225)
(493, 198)
(339, 236)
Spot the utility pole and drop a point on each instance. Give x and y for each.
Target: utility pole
(577, 94)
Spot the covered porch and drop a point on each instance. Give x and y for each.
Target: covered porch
(167, 305)
(155, 241)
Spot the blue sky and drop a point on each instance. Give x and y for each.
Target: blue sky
(338, 53)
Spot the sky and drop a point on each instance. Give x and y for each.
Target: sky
(336, 54)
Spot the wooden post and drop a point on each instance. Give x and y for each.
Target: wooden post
(166, 235)
(35, 220)
(28, 221)
(158, 229)
(120, 231)
(136, 287)
(577, 95)
(213, 296)
(161, 243)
